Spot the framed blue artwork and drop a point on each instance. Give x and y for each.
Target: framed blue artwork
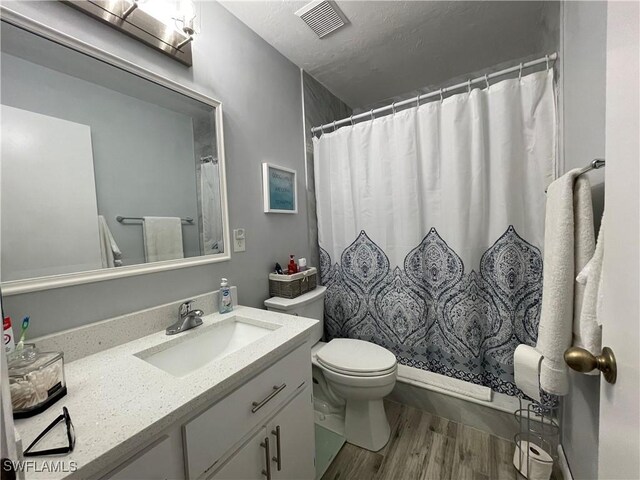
(279, 189)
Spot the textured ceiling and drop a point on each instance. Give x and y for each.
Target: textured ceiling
(393, 47)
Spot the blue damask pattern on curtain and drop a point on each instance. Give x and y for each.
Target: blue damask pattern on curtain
(434, 313)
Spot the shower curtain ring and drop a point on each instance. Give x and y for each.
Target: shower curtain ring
(393, 107)
(372, 117)
(321, 130)
(351, 117)
(486, 79)
(546, 57)
(520, 72)
(469, 85)
(418, 100)
(334, 125)
(441, 97)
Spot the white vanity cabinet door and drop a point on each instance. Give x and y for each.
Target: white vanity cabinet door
(248, 462)
(295, 426)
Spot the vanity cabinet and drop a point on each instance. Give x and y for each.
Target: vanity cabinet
(282, 449)
(211, 435)
(228, 440)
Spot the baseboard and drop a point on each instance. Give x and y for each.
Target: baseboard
(564, 464)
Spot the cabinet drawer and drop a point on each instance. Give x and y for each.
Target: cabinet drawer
(210, 435)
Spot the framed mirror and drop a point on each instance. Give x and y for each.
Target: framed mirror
(107, 169)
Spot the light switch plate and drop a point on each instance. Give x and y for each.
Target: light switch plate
(239, 240)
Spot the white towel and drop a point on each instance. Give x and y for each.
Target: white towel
(111, 254)
(568, 245)
(585, 242)
(162, 238)
(588, 335)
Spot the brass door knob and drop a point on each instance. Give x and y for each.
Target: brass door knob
(583, 361)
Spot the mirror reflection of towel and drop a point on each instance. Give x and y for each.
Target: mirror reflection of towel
(162, 238)
(110, 252)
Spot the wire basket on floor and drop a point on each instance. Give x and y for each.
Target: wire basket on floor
(536, 444)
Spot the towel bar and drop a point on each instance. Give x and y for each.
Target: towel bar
(595, 164)
(122, 219)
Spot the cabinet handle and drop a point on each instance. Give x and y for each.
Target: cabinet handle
(276, 390)
(278, 457)
(265, 445)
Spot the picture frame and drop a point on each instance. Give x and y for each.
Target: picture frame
(279, 188)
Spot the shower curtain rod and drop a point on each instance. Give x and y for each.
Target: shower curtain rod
(547, 59)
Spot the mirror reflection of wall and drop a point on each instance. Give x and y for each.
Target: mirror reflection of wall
(84, 143)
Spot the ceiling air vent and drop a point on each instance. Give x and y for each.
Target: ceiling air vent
(323, 16)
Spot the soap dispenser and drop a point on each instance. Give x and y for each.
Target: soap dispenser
(225, 304)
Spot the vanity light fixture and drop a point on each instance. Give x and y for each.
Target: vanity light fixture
(166, 25)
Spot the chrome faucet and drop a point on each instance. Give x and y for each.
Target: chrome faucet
(188, 319)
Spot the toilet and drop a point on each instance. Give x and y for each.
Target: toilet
(351, 377)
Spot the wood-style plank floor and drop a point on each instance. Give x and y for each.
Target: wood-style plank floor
(424, 446)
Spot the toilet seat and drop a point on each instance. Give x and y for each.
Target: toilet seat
(350, 373)
(356, 358)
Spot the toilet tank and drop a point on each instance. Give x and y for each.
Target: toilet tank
(310, 305)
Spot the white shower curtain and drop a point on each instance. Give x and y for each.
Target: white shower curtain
(211, 209)
(430, 224)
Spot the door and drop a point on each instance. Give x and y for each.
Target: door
(48, 185)
(250, 461)
(619, 445)
(293, 455)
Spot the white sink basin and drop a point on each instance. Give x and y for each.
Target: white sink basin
(183, 356)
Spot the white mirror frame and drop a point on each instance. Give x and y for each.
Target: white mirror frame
(16, 287)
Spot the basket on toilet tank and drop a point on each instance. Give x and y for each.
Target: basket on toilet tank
(292, 286)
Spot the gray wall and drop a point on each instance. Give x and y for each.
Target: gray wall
(143, 154)
(583, 106)
(261, 95)
(320, 107)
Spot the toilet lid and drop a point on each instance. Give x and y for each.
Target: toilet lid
(356, 357)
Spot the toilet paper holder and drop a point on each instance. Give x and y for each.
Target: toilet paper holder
(537, 441)
(583, 361)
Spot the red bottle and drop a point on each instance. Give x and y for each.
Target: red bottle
(293, 267)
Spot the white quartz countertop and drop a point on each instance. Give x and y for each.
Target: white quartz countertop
(119, 402)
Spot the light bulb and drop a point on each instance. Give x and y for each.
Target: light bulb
(186, 16)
